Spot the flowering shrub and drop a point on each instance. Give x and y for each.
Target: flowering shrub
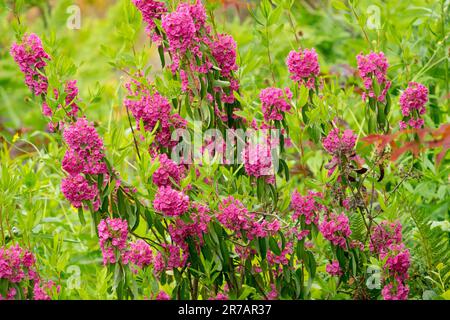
(215, 178)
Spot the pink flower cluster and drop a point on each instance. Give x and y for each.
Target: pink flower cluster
(336, 229)
(396, 273)
(223, 50)
(162, 296)
(283, 257)
(71, 94)
(395, 291)
(170, 257)
(139, 254)
(31, 58)
(171, 202)
(412, 103)
(77, 189)
(180, 29)
(307, 206)
(86, 151)
(112, 234)
(180, 230)
(234, 216)
(274, 103)
(41, 291)
(16, 264)
(151, 10)
(167, 172)
(258, 159)
(337, 144)
(386, 241)
(334, 268)
(373, 67)
(84, 156)
(384, 235)
(303, 66)
(152, 109)
(340, 146)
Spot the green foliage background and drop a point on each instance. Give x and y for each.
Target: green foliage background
(413, 35)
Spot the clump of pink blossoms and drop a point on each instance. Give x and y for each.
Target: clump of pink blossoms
(274, 103)
(151, 10)
(386, 241)
(112, 234)
(337, 144)
(16, 264)
(384, 235)
(307, 206)
(223, 50)
(152, 108)
(86, 150)
(31, 58)
(282, 258)
(340, 146)
(373, 67)
(41, 290)
(170, 257)
(180, 29)
(258, 159)
(412, 103)
(168, 170)
(234, 216)
(180, 230)
(162, 295)
(334, 268)
(171, 202)
(139, 254)
(336, 229)
(77, 189)
(303, 66)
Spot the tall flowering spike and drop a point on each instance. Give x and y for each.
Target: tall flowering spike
(223, 50)
(373, 68)
(150, 11)
(171, 202)
(274, 103)
(303, 66)
(31, 58)
(112, 234)
(336, 229)
(180, 29)
(386, 241)
(77, 189)
(412, 103)
(307, 206)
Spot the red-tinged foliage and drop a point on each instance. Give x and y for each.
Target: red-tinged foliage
(439, 138)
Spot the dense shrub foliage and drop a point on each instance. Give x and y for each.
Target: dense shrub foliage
(261, 150)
